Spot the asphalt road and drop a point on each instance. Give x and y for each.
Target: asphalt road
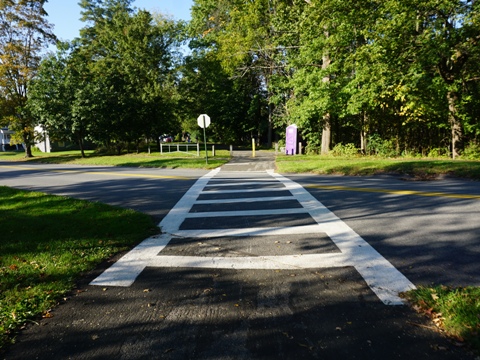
(231, 277)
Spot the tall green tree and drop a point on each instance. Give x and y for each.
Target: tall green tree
(56, 99)
(131, 56)
(117, 78)
(235, 105)
(24, 32)
(243, 36)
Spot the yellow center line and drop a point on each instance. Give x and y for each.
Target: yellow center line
(395, 192)
(98, 173)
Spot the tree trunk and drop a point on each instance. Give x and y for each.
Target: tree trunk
(363, 134)
(455, 123)
(327, 119)
(326, 134)
(28, 151)
(270, 124)
(27, 142)
(82, 149)
(270, 109)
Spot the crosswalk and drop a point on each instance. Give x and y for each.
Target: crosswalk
(258, 220)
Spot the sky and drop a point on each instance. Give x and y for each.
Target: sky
(65, 14)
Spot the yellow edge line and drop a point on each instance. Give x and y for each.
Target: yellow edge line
(396, 192)
(100, 173)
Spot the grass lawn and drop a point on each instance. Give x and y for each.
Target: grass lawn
(153, 160)
(455, 311)
(48, 242)
(421, 168)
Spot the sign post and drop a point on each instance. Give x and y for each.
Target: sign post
(204, 121)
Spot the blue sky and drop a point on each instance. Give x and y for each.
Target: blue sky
(65, 14)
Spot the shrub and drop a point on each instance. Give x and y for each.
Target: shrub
(377, 146)
(347, 150)
(438, 152)
(471, 151)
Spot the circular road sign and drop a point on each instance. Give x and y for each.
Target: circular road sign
(203, 119)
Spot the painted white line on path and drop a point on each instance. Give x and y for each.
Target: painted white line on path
(311, 261)
(125, 270)
(382, 277)
(246, 213)
(243, 183)
(242, 191)
(245, 200)
(258, 231)
(241, 179)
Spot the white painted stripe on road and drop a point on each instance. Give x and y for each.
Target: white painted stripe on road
(256, 179)
(244, 183)
(242, 191)
(212, 214)
(176, 216)
(259, 231)
(125, 270)
(311, 261)
(239, 163)
(244, 200)
(382, 277)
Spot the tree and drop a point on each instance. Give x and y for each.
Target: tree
(243, 36)
(56, 96)
(24, 32)
(131, 59)
(234, 104)
(113, 85)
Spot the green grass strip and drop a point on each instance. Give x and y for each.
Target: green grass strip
(172, 160)
(421, 169)
(50, 241)
(455, 310)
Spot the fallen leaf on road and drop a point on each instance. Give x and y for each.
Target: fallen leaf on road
(47, 315)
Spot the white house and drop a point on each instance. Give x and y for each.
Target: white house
(44, 144)
(5, 136)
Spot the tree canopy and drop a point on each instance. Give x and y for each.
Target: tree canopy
(393, 74)
(24, 32)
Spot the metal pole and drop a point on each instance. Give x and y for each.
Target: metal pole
(205, 140)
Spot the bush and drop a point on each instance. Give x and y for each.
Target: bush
(438, 153)
(472, 151)
(313, 149)
(347, 150)
(377, 146)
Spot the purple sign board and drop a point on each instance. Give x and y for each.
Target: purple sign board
(291, 140)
